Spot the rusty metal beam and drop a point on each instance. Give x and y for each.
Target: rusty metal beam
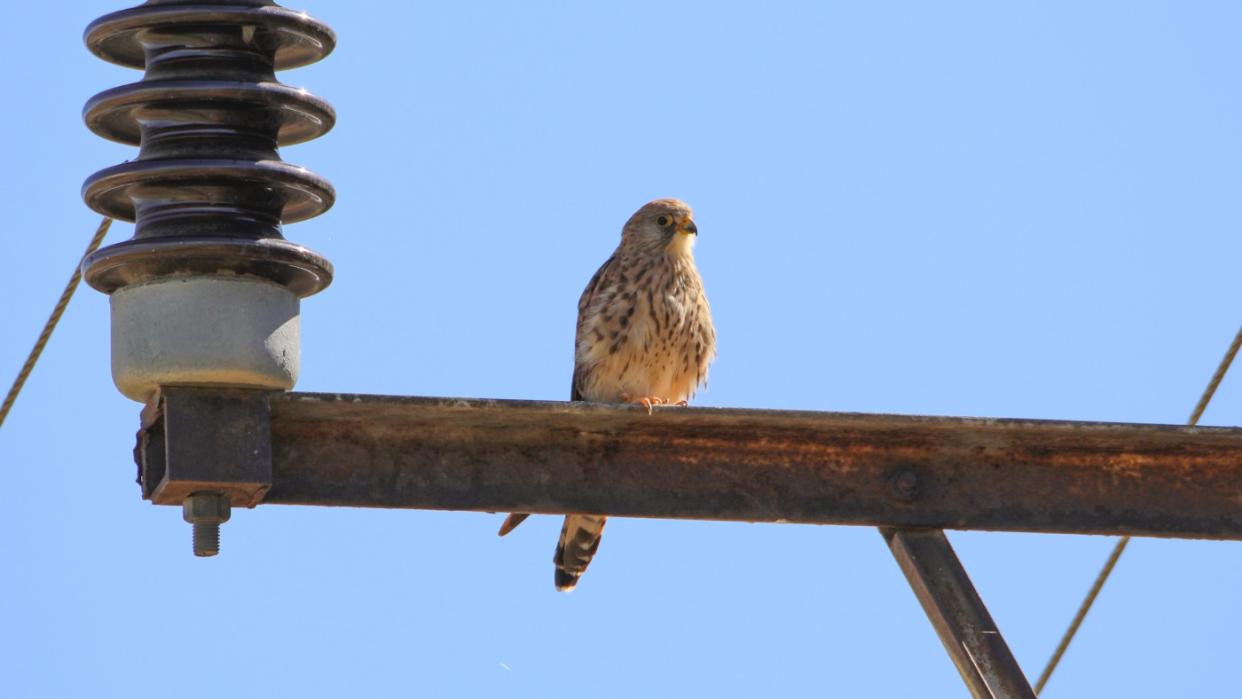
(961, 620)
(753, 465)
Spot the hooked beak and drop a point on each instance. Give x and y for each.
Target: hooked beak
(687, 226)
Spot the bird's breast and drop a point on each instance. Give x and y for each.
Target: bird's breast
(646, 339)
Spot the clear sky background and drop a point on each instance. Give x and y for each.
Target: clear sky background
(1021, 210)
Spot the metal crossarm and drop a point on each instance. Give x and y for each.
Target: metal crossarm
(706, 463)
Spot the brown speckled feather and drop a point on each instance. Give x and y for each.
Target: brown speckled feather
(584, 302)
(644, 334)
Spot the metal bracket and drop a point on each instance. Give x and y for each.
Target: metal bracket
(196, 440)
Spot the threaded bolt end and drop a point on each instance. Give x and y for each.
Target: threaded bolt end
(206, 511)
(206, 539)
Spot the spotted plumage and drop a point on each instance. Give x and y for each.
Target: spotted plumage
(644, 335)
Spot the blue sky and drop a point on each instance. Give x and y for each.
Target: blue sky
(963, 209)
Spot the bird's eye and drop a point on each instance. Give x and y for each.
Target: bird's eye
(663, 221)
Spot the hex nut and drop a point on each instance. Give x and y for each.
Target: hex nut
(206, 508)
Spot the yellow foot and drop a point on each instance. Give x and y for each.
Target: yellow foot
(645, 401)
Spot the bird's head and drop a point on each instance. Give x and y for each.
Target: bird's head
(664, 225)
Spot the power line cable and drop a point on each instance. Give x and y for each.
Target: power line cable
(52, 320)
(1124, 541)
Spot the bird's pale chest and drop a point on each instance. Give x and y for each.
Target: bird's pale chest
(647, 333)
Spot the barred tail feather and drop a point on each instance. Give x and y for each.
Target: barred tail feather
(511, 522)
(579, 541)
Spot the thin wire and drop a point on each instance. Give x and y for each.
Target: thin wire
(1216, 379)
(1125, 540)
(52, 320)
(1082, 613)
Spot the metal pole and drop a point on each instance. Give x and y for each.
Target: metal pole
(961, 620)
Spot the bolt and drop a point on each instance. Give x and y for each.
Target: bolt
(206, 511)
(905, 485)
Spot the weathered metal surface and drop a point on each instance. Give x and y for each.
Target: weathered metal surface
(205, 440)
(756, 465)
(961, 620)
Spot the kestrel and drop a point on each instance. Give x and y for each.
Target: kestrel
(644, 336)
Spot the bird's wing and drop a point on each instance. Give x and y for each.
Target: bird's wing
(584, 302)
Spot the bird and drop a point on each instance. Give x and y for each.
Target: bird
(644, 336)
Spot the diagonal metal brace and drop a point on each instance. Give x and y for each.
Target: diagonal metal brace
(960, 618)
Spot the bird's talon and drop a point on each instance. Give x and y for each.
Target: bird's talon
(648, 402)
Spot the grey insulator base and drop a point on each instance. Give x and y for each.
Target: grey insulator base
(205, 330)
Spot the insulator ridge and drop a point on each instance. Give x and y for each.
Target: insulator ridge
(208, 191)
